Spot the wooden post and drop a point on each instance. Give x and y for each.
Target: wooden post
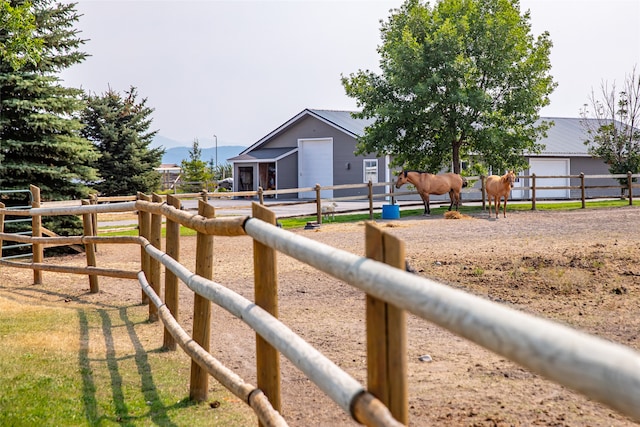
(318, 204)
(93, 199)
(483, 191)
(533, 191)
(261, 195)
(370, 186)
(36, 231)
(172, 244)
(386, 331)
(266, 296)
(144, 230)
(199, 387)
(89, 249)
(155, 238)
(1, 226)
(582, 191)
(630, 187)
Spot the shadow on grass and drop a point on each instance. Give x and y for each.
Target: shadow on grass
(158, 413)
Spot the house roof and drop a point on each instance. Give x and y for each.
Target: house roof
(341, 120)
(263, 155)
(565, 138)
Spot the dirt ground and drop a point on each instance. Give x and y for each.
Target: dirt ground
(580, 268)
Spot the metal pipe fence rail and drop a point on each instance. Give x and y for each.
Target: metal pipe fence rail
(473, 194)
(599, 369)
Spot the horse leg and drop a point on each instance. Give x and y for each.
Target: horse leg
(498, 199)
(504, 212)
(451, 197)
(489, 197)
(425, 200)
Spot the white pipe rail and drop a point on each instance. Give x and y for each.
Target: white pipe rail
(331, 379)
(599, 369)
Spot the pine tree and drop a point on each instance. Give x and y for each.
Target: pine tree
(40, 141)
(119, 126)
(195, 173)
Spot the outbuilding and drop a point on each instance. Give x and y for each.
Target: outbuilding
(317, 147)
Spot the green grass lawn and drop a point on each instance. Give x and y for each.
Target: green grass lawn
(98, 366)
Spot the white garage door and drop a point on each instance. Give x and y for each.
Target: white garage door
(315, 166)
(550, 167)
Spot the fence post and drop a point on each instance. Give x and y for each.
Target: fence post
(36, 231)
(266, 297)
(370, 186)
(630, 187)
(533, 191)
(93, 200)
(393, 198)
(582, 190)
(482, 190)
(386, 331)
(1, 226)
(318, 204)
(144, 229)
(155, 238)
(172, 244)
(87, 229)
(261, 195)
(199, 388)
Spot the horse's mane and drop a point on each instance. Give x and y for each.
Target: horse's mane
(405, 171)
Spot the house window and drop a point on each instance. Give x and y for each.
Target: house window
(370, 169)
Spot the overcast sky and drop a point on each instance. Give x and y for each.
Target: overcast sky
(240, 69)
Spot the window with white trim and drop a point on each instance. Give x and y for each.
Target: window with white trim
(370, 170)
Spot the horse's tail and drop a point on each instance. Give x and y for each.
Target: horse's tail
(464, 182)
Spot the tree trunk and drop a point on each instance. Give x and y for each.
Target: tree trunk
(456, 156)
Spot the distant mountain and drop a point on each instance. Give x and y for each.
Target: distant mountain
(178, 154)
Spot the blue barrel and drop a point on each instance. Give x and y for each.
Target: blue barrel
(390, 211)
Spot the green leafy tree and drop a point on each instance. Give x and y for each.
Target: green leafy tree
(18, 41)
(195, 171)
(459, 77)
(40, 141)
(119, 127)
(612, 122)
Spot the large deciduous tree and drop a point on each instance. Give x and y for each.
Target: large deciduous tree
(612, 122)
(119, 127)
(459, 77)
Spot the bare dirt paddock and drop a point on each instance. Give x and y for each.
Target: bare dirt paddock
(580, 268)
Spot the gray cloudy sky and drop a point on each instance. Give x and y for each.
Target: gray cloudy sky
(240, 69)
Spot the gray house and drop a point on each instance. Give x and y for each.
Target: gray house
(317, 147)
(314, 147)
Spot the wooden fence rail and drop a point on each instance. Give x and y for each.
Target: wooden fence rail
(601, 370)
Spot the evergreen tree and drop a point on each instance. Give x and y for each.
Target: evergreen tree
(194, 171)
(119, 126)
(40, 141)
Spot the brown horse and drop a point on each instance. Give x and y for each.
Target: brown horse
(497, 187)
(427, 183)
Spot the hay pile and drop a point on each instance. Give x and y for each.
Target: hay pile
(455, 215)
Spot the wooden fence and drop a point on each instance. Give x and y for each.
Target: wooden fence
(601, 370)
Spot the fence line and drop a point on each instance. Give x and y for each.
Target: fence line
(601, 370)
